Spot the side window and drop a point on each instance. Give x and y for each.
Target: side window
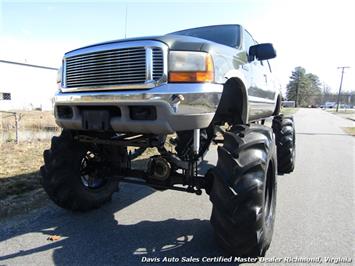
(247, 41)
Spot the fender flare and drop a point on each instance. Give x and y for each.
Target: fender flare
(278, 105)
(233, 106)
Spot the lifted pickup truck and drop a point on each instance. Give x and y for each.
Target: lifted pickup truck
(198, 84)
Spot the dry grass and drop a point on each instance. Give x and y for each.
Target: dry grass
(344, 113)
(341, 111)
(34, 120)
(350, 130)
(19, 165)
(288, 111)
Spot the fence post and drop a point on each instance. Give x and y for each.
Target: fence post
(17, 128)
(1, 129)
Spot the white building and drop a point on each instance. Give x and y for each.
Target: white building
(24, 86)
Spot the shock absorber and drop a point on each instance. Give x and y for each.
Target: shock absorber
(196, 142)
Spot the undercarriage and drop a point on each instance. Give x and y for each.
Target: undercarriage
(174, 164)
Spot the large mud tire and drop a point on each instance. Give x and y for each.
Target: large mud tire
(62, 176)
(285, 135)
(243, 192)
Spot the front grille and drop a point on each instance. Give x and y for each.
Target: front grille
(113, 67)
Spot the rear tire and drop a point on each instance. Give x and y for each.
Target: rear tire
(74, 176)
(285, 134)
(243, 192)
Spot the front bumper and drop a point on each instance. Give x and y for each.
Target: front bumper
(178, 107)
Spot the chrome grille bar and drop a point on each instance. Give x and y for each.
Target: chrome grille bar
(158, 63)
(118, 61)
(148, 63)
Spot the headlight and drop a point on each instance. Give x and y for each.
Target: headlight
(59, 75)
(190, 67)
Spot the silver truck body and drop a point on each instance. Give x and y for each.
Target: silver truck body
(92, 76)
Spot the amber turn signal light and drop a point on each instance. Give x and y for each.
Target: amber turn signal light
(194, 76)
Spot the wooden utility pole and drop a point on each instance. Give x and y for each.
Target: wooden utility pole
(341, 84)
(297, 89)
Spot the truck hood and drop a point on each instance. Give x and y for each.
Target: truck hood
(173, 41)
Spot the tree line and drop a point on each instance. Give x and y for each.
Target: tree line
(306, 90)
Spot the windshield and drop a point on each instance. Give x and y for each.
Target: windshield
(223, 34)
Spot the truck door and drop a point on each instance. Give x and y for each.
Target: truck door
(260, 104)
(271, 86)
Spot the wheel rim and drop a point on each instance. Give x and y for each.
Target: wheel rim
(269, 197)
(92, 171)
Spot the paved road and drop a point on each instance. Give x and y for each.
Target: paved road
(315, 214)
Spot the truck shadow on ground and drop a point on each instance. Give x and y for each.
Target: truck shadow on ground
(14, 185)
(99, 238)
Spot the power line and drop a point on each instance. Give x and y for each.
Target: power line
(341, 84)
(27, 65)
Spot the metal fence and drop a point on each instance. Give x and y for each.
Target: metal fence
(26, 126)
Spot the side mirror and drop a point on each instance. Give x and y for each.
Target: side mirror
(263, 51)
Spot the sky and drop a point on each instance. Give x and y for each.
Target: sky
(317, 35)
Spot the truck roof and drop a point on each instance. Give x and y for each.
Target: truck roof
(169, 38)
